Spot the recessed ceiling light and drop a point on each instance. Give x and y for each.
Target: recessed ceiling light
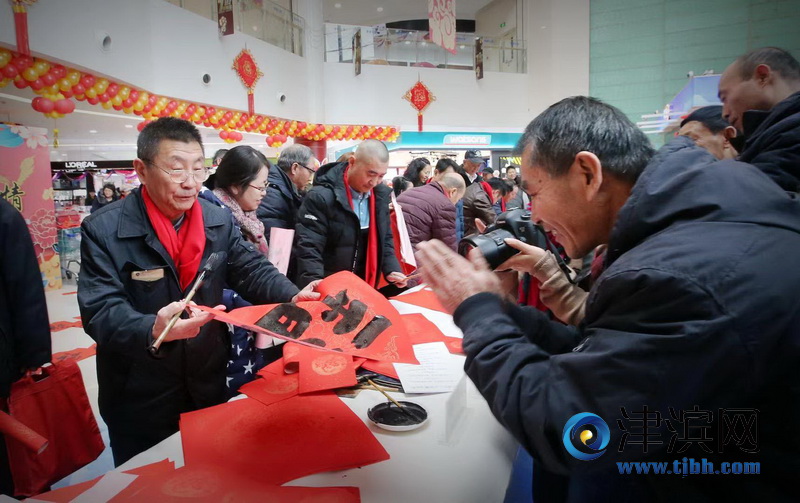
(337, 5)
(380, 9)
(408, 42)
(129, 126)
(91, 148)
(92, 131)
(462, 46)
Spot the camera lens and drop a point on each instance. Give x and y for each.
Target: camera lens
(492, 245)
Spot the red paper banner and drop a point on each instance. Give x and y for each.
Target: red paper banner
(285, 441)
(352, 318)
(420, 97)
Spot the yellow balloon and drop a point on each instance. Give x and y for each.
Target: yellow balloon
(106, 105)
(5, 57)
(101, 85)
(124, 92)
(91, 93)
(116, 100)
(30, 74)
(74, 77)
(41, 67)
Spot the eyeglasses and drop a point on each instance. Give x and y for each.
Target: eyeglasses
(303, 165)
(263, 189)
(181, 175)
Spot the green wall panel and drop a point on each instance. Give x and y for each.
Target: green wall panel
(641, 50)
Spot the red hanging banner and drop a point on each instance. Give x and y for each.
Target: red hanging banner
(21, 25)
(248, 72)
(420, 97)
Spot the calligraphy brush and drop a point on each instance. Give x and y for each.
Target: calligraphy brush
(213, 261)
(401, 406)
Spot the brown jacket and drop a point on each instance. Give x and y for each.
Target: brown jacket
(477, 205)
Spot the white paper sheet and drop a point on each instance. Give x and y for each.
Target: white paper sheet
(438, 371)
(106, 488)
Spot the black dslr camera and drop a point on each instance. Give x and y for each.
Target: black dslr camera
(511, 224)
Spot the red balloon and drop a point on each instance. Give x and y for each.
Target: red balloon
(172, 105)
(270, 141)
(78, 89)
(112, 89)
(20, 83)
(93, 101)
(37, 84)
(103, 97)
(65, 106)
(151, 101)
(134, 95)
(223, 135)
(10, 71)
(127, 102)
(22, 62)
(58, 71)
(87, 81)
(44, 105)
(67, 94)
(142, 125)
(138, 112)
(48, 78)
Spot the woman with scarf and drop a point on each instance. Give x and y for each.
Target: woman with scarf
(240, 184)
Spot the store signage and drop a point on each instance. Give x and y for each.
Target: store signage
(468, 139)
(80, 164)
(84, 165)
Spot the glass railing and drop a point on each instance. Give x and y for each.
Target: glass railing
(386, 46)
(262, 19)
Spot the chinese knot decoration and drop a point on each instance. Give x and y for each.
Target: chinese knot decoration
(21, 25)
(247, 70)
(420, 97)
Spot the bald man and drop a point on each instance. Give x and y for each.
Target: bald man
(343, 223)
(760, 95)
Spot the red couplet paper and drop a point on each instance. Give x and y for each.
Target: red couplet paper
(285, 441)
(69, 493)
(216, 483)
(422, 298)
(272, 388)
(322, 370)
(58, 326)
(76, 354)
(351, 318)
(421, 330)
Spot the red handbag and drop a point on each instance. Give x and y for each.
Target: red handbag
(55, 406)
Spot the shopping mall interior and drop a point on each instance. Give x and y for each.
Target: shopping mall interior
(330, 74)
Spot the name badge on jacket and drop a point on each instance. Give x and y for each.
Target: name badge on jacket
(151, 275)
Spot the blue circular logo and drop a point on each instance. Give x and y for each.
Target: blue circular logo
(586, 436)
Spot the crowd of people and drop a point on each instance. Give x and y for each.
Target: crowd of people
(686, 300)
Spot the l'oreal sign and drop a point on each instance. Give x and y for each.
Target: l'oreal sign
(80, 164)
(468, 139)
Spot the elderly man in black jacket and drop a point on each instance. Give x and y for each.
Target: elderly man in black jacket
(139, 256)
(279, 207)
(760, 94)
(686, 359)
(343, 223)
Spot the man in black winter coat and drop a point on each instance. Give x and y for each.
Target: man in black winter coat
(279, 207)
(343, 223)
(760, 94)
(24, 325)
(139, 257)
(686, 359)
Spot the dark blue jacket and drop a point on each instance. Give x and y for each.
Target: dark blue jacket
(327, 238)
(697, 306)
(773, 142)
(279, 207)
(24, 325)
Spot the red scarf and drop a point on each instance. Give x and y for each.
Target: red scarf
(371, 275)
(488, 189)
(185, 246)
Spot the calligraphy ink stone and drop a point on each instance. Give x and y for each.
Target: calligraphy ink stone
(391, 417)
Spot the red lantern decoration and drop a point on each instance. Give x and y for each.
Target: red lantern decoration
(248, 72)
(21, 25)
(420, 97)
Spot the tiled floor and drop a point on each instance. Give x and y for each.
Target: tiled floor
(62, 306)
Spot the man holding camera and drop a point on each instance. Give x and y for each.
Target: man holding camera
(679, 322)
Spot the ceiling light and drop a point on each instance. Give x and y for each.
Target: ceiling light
(462, 46)
(93, 131)
(129, 126)
(380, 9)
(337, 5)
(408, 42)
